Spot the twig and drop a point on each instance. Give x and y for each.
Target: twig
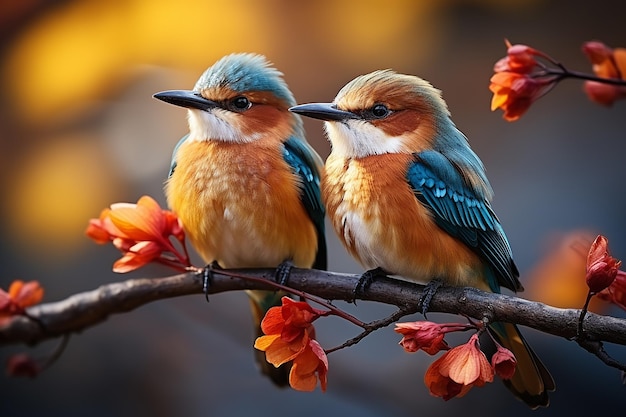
(597, 348)
(373, 326)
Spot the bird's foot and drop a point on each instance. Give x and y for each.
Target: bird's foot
(283, 271)
(429, 291)
(366, 280)
(207, 277)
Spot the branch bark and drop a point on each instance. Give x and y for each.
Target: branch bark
(90, 308)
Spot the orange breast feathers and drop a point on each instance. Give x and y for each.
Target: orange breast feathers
(382, 224)
(240, 205)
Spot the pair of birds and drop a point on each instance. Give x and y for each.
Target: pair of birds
(402, 187)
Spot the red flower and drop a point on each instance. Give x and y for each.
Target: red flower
(519, 59)
(598, 53)
(514, 92)
(503, 362)
(458, 370)
(22, 364)
(604, 94)
(21, 295)
(142, 233)
(426, 335)
(289, 336)
(616, 292)
(601, 267)
(607, 63)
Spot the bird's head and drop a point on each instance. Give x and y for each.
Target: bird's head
(241, 98)
(382, 112)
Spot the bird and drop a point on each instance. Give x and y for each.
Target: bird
(408, 197)
(244, 181)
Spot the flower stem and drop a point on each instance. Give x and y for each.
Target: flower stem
(335, 311)
(563, 73)
(174, 263)
(370, 327)
(182, 258)
(583, 313)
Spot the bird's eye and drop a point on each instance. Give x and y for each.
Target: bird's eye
(379, 111)
(239, 104)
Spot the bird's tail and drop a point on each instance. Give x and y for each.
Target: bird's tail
(260, 302)
(532, 380)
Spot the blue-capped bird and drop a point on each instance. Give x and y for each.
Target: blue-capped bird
(407, 196)
(244, 181)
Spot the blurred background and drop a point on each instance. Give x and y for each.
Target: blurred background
(80, 130)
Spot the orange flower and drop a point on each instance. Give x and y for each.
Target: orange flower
(458, 370)
(607, 63)
(145, 220)
(514, 92)
(426, 335)
(142, 233)
(21, 295)
(289, 336)
(601, 267)
(520, 79)
(526, 74)
(102, 230)
(503, 362)
(308, 366)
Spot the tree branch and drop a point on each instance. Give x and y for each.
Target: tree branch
(87, 309)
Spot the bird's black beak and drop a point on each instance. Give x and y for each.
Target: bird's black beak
(187, 99)
(323, 111)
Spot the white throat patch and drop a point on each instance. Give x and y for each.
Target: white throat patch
(216, 124)
(358, 139)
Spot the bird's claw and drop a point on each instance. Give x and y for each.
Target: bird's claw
(427, 295)
(365, 280)
(282, 272)
(207, 277)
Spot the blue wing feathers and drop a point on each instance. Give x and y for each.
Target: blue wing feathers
(464, 212)
(174, 152)
(304, 164)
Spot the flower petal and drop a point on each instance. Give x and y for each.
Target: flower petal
(23, 365)
(97, 231)
(440, 385)
(130, 262)
(279, 351)
(601, 267)
(598, 250)
(5, 300)
(142, 221)
(616, 292)
(25, 294)
(264, 342)
(136, 223)
(424, 335)
(504, 363)
(467, 364)
(273, 322)
(310, 364)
